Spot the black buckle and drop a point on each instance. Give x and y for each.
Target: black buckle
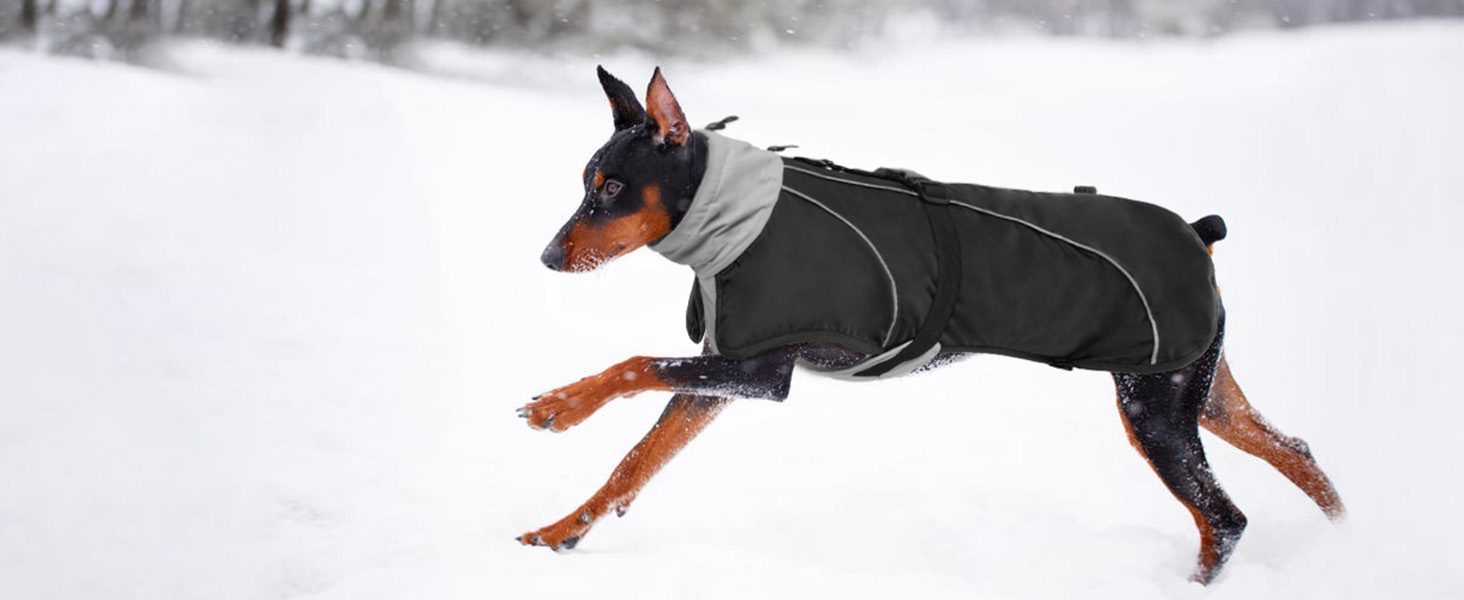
(933, 192)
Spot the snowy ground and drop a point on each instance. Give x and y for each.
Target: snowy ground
(265, 320)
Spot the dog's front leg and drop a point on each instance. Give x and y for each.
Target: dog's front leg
(765, 376)
(704, 384)
(685, 417)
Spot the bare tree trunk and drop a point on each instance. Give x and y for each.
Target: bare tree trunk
(29, 14)
(368, 12)
(140, 11)
(392, 13)
(172, 17)
(394, 24)
(139, 26)
(434, 21)
(279, 23)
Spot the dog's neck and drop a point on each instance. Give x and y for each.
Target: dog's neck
(696, 148)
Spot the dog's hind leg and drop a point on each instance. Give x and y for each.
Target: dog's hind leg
(1161, 412)
(1230, 416)
(685, 417)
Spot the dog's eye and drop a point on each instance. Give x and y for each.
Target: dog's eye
(612, 188)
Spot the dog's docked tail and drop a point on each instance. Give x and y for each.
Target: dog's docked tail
(1211, 229)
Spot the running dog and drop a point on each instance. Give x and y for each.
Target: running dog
(864, 275)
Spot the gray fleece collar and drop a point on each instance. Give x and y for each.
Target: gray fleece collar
(729, 209)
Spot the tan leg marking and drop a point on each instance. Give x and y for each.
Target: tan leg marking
(1205, 569)
(685, 417)
(1209, 545)
(1230, 416)
(565, 407)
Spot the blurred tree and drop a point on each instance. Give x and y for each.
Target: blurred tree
(393, 26)
(380, 29)
(133, 28)
(28, 14)
(279, 23)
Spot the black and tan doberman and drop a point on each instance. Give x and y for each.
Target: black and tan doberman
(638, 188)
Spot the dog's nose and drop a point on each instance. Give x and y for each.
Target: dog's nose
(553, 257)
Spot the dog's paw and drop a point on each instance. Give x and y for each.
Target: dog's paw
(554, 537)
(570, 405)
(562, 408)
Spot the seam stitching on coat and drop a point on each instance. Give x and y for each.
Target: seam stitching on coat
(894, 289)
(1153, 324)
(858, 183)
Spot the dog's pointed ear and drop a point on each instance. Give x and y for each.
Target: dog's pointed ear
(666, 112)
(627, 110)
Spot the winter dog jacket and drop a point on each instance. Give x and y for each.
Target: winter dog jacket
(788, 250)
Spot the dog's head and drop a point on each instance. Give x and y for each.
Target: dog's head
(637, 186)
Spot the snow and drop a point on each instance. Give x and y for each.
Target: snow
(266, 320)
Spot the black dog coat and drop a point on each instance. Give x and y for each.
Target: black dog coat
(787, 251)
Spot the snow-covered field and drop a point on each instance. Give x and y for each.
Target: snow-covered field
(264, 321)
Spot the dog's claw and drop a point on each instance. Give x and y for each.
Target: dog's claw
(620, 511)
(563, 535)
